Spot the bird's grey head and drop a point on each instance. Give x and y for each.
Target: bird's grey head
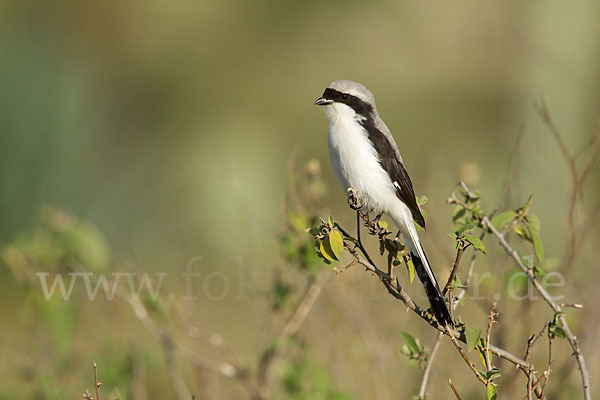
(347, 98)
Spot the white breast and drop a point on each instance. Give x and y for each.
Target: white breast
(355, 161)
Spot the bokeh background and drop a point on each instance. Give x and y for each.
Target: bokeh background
(165, 130)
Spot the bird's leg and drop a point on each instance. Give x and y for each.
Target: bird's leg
(358, 226)
(376, 221)
(354, 204)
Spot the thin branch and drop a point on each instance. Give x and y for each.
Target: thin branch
(491, 320)
(220, 367)
(465, 357)
(459, 252)
(177, 382)
(304, 307)
(360, 247)
(455, 265)
(531, 341)
(529, 394)
(96, 383)
(572, 305)
(427, 372)
(454, 389)
(549, 368)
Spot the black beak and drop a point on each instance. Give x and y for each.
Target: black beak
(322, 101)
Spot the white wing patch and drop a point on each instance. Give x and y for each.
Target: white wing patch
(397, 186)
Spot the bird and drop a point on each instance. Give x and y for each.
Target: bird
(366, 159)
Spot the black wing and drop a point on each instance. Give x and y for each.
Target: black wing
(395, 169)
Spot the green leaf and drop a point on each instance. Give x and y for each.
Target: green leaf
(481, 353)
(493, 376)
(472, 335)
(313, 231)
(491, 391)
(559, 332)
(527, 262)
(459, 212)
(336, 243)
(539, 271)
(410, 268)
(503, 218)
(462, 229)
(406, 350)
(326, 251)
(533, 223)
(457, 284)
(422, 200)
(330, 221)
(522, 232)
(410, 342)
(476, 242)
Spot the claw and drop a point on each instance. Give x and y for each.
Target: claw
(353, 201)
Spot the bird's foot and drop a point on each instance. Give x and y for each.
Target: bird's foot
(375, 228)
(377, 218)
(353, 201)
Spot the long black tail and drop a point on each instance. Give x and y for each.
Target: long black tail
(434, 294)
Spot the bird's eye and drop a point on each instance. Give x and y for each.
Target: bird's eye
(344, 96)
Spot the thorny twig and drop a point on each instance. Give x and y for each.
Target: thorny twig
(96, 383)
(87, 395)
(396, 290)
(491, 319)
(542, 291)
(454, 200)
(531, 341)
(549, 368)
(585, 376)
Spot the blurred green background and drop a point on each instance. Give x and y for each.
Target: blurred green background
(166, 129)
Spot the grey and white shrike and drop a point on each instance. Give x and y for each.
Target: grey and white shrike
(365, 157)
